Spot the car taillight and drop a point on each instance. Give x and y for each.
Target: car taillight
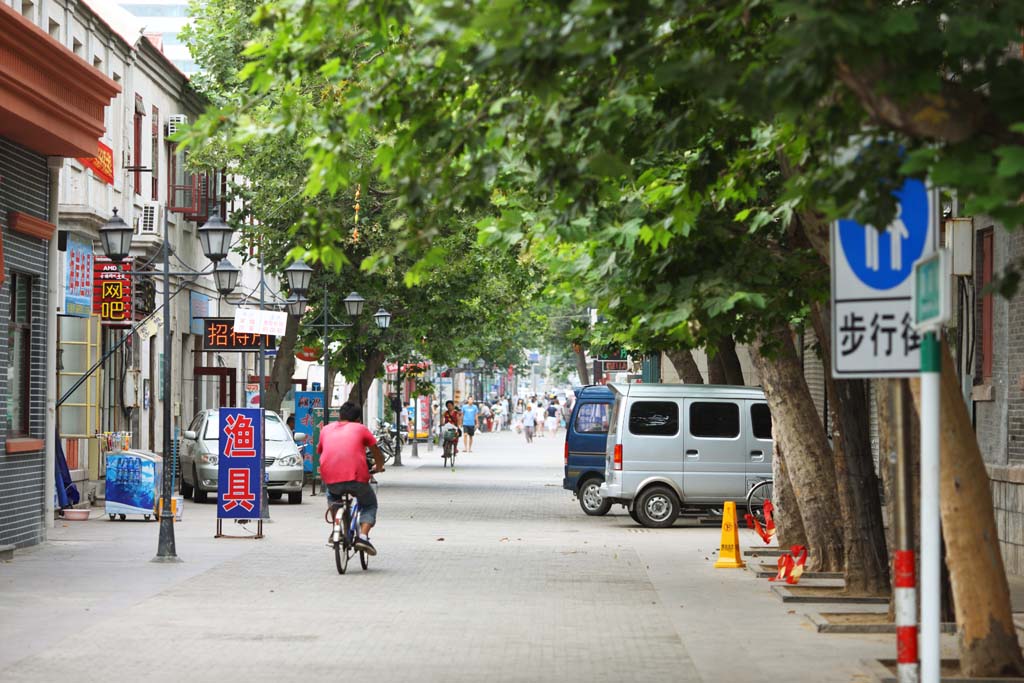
(617, 457)
(566, 452)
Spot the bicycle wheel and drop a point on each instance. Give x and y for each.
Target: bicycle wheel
(756, 497)
(341, 547)
(364, 560)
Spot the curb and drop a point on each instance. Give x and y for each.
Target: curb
(767, 551)
(823, 625)
(787, 596)
(767, 571)
(883, 674)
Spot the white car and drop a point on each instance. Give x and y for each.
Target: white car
(199, 455)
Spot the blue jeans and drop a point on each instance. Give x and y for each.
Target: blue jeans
(362, 492)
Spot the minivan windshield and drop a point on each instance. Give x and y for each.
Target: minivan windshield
(276, 431)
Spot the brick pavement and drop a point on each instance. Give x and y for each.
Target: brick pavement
(523, 587)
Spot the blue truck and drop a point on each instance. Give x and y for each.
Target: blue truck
(585, 438)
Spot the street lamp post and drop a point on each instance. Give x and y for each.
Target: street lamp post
(215, 239)
(300, 276)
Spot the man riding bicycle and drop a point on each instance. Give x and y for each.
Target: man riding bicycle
(343, 467)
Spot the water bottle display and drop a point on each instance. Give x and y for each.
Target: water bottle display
(133, 479)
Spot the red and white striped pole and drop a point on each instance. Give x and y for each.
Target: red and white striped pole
(906, 616)
(904, 556)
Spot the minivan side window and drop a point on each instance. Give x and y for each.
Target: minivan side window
(714, 420)
(654, 418)
(592, 418)
(761, 421)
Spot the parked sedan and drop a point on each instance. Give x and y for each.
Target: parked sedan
(200, 446)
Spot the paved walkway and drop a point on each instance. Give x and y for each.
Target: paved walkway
(487, 573)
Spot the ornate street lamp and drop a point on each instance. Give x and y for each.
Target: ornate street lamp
(382, 318)
(116, 237)
(215, 238)
(225, 275)
(296, 305)
(299, 276)
(354, 304)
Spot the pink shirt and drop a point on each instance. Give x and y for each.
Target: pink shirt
(342, 450)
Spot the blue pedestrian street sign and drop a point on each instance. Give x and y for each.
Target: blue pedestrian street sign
(873, 333)
(239, 487)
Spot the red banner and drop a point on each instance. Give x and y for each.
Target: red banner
(102, 164)
(112, 291)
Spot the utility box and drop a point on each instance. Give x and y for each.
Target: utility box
(960, 243)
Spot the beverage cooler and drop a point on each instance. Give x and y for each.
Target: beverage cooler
(133, 483)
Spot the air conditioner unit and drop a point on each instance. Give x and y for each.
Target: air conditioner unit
(175, 122)
(150, 221)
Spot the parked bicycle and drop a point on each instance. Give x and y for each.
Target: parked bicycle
(387, 439)
(757, 495)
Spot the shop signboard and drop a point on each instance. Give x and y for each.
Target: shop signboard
(78, 273)
(219, 334)
(240, 453)
(102, 164)
(112, 291)
(199, 308)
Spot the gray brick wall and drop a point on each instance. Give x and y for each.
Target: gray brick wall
(24, 186)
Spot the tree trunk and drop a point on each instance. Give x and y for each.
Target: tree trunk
(730, 361)
(802, 438)
(686, 367)
(866, 562)
(716, 370)
(284, 367)
(371, 366)
(581, 366)
(988, 641)
(789, 527)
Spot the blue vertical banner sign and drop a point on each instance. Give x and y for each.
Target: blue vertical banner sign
(78, 270)
(239, 488)
(305, 403)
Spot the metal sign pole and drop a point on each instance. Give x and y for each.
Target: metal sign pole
(931, 539)
(931, 309)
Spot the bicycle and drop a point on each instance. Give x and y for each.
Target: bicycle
(343, 516)
(450, 441)
(757, 495)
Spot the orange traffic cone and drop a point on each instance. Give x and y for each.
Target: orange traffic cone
(729, 554)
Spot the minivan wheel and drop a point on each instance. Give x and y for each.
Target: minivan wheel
(591, 501)
(657, 507)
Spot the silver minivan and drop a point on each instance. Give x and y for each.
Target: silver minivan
(685, 446)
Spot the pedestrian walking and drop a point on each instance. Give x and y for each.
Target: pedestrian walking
(529, 421)
(520, 409)
(551, 421)
(538, 418)
(470, 419)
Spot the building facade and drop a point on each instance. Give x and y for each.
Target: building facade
(52, 107)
